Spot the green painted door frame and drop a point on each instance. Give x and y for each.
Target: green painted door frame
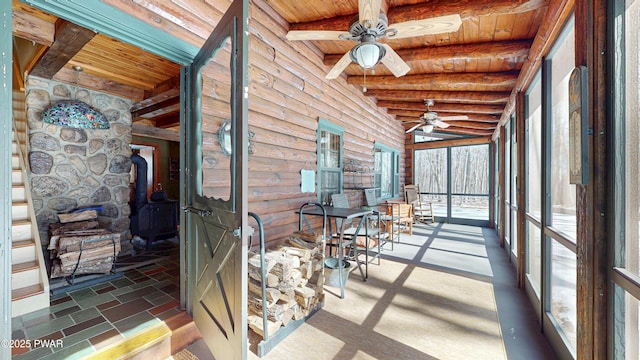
(6, 55)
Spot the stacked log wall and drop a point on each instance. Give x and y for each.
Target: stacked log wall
(287, 95)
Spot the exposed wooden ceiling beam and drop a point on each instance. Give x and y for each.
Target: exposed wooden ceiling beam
(89, 81)
(479, 118)
(156, 133)
(155, 107)
(30, 27)
(69, 40)
(501, 81)
(512, 52)
(458, 130)
(411, 115)
(443, 107)
(447, 143)
(456, 97)
(466, 9)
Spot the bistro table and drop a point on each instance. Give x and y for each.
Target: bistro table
(345, 215)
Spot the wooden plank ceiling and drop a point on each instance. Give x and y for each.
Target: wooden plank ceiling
(469, 72)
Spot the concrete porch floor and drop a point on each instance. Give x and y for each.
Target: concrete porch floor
(447, 292)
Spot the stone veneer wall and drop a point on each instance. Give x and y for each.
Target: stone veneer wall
(73, 168)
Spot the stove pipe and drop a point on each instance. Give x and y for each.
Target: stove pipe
(141, 179)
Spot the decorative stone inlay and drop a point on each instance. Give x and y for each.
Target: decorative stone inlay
(62, 91)
(62, 204)
(114, 146)
(48, 186)
(98, 164)
(120, 164)
(75, 149)
(69, 173)
(114, 180)
(92, 182)
(38, 99)
(101, 195)
(112, 115)
(121, 194)
(79, 164)
(73, 135)
(40, 162)
(80, 192)
(96, 144)
(109, 210)
(44, 141)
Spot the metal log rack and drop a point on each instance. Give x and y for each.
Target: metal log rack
(270, 342)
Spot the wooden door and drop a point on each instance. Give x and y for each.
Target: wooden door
(216, 185)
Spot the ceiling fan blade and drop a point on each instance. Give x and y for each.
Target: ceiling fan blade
(440, 124)
(414, 127)
(394, 62)
(339, 67)
(431, 26)
(453, 118)
(315, 35)
(368, 12)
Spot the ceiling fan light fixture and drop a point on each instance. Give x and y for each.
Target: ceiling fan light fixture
(367, 54)
(428, 128)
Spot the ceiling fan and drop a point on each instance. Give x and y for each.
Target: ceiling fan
(369, 26)
(431, 120)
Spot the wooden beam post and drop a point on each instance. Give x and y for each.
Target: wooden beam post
(501, 210)
(591, 199)
(520, 189)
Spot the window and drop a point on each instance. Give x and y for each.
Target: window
(626, 170)
(560, 195)
(330, 160)
(533, 179)
(386, 171)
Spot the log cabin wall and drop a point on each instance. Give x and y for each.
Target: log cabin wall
(287, 95)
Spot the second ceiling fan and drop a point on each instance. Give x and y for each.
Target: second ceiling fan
(430, 119)
(371, 25)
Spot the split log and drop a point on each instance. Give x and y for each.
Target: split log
(275, 312)
(303, 254)
(287, 317)
(307, 237)
(255, 323)
(78, 216)
(305, 292)
(273, 295)
(271, 280)
(58, 229)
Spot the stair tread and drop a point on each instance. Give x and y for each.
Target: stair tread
(179, 320)
(26, 266)
(26, 291)
(21, 222)
(22, 243)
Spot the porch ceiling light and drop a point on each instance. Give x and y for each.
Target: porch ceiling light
(75, 114)
(427, 128)
(367, 54)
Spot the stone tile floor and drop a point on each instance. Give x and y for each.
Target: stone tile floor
(82, 321)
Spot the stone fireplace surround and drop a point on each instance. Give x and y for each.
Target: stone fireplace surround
(72, 168)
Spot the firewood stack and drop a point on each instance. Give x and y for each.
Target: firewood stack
(294, 282)
(96, 254)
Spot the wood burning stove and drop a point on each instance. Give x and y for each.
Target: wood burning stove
(156, 218)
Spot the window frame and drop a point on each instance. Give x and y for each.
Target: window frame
(331, 128)
(394, 176)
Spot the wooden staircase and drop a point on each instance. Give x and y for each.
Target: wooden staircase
(29, 281)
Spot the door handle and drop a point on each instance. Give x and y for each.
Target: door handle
(197, 211)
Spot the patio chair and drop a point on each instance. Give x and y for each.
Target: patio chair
(381, 218)
(362, 244)
(403, 217)
(422, 211)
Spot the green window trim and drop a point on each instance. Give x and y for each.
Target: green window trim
(325, 126)
(394, 177)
